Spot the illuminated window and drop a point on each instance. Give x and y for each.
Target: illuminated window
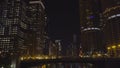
(23, 25)
(5, 13)
(5, 44)
(13, 30)
(2, 30)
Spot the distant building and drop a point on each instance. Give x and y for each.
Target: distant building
(91, 32)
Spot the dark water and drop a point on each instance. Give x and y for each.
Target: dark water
(79, 65)
(64, 65)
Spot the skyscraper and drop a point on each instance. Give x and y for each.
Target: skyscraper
(91, 33)
(37, 16)
(22, 24)
(13, 24)
(111, 13)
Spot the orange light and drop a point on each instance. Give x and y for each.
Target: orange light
(113, 47)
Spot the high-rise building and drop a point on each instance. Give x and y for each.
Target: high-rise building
(111, 25)
(22, 27)
(13, 24)
(91, 33)
(37, 16)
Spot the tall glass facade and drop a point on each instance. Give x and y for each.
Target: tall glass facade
(91, 32)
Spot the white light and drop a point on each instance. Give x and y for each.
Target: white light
(118, 15)
(89, 28)
(92, 28)
(114, 16)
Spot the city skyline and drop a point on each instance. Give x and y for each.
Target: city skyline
(36, 31)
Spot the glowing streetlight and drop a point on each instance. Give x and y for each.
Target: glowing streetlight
(108, 48)
(119, 45)
(113, 47)
(114, 50)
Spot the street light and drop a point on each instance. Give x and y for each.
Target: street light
(109, 49)
(114, 50)
(114, 47)
(118, 50)
(119, 45)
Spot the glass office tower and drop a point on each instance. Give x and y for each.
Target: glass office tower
(91, 32)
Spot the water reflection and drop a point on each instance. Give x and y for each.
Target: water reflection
(65, 65)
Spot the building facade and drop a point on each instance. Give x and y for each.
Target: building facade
(37, 16)
(111, 27)
(22, 27)
(91, 32)
(12, 26)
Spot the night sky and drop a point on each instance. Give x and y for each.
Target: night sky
(63, 19)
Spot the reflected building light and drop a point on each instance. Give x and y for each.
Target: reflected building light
(91, 28)
(44, 66)
(114, 16)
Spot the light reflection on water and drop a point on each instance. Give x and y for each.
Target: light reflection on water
(64, 65)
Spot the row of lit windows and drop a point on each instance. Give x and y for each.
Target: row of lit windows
(110, 9)
(8, 38)
(5, 13)
(6, 46)
(9, 30)
(5, 40)
(6, 49)
(8, 22)
(10, 12)
(23, 25)
(2, 30)
(13, 30)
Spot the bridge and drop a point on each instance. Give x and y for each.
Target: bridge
(97, 62)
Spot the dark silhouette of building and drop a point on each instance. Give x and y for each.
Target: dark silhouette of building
(91, 32)
(111, 25)
(36, 14)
